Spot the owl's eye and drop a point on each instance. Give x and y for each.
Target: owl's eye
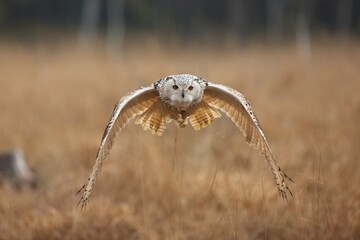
(191, 88)
(175, 87)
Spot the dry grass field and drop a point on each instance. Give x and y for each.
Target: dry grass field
(55, 100)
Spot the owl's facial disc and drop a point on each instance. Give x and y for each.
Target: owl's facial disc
(180, 95)
(182, 91)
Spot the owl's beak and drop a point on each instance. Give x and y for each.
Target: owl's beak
(183, 93)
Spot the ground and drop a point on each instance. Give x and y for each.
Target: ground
(56, 98)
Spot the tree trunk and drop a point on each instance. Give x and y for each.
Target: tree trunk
(302, 28)
(89, 21)
(344, 15)
(115, 27)
(236, 9)
(275, 22)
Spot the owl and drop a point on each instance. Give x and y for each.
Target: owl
(183, 99)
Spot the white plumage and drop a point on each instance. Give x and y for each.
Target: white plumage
(183, 98)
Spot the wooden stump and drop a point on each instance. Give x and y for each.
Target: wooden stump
(13, 168)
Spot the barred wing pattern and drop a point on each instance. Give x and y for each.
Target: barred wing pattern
(238, 109)
(155, 118)
(202, 115)
(133, 104)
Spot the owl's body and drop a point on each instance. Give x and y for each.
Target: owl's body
(184, 98)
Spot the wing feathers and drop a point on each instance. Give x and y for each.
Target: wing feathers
(155, 118)
(238, 109)
(202, 115)
(135, 103)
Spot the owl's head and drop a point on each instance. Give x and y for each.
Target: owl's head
(182, 91)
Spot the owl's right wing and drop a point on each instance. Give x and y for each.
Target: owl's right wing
(133, 104)
(238, 109)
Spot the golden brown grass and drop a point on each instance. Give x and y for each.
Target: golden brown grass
(55, 102)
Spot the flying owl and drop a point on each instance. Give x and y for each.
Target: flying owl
(183, 98)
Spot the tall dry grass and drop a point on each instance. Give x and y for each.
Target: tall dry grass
(56, 99)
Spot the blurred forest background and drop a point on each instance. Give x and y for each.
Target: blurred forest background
(275, 20)
(65, 63)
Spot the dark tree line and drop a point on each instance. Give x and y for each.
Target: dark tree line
(273, 19)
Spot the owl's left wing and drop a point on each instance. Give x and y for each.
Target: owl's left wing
(133, 104)
(238, 109)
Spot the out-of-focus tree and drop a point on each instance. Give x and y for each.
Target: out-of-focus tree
(237, 17)
(275, 20)
(115, 27)
(90, 23)
(246, 17)
(302, 27)
(344, 16)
